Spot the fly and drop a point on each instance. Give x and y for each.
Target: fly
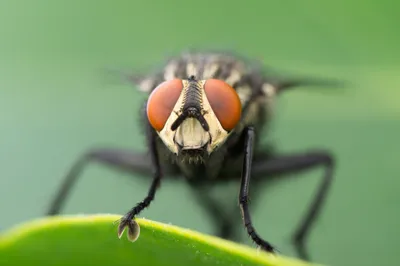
(203, 119)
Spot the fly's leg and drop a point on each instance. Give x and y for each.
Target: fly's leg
(117, 158)
(244, 191)
(127, 220)
(286, 164)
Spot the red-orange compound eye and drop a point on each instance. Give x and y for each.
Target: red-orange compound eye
(161, 102)
(224, 101)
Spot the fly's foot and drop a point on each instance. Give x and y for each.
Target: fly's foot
(133, 228)
(268, 248)
(301, 247)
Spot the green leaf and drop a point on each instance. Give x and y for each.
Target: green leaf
(92, 240)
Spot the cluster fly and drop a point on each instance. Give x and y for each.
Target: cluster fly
(203, 120)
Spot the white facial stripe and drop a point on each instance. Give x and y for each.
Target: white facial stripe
(166, 134)
(218, 134)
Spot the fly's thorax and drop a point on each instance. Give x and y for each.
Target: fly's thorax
(193, 117)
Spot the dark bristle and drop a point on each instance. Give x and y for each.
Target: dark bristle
(193, 156)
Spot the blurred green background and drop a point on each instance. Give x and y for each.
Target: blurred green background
(55, 103)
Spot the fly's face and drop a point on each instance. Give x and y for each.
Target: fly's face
(193, 117)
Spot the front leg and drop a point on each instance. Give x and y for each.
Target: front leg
(244, 191)
(271, 166)
(127, 219)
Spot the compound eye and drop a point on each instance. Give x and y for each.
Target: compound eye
(224, 101)
(161, 102)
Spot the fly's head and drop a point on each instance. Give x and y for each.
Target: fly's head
(193, 117)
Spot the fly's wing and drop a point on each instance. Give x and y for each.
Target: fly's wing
(147, 79)
(143, 82)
